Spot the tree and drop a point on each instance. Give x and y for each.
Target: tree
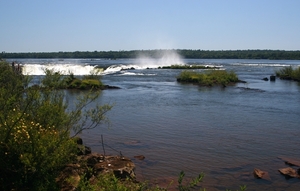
(37, 130)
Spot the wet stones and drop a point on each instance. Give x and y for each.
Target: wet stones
(289, 172)
(94, 164)
(261, 174)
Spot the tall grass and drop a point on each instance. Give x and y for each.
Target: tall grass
(288, 73)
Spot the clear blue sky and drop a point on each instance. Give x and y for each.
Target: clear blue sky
(103, 25)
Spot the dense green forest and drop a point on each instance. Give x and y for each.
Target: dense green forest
(202, 54)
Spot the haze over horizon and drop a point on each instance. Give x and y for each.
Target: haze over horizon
(52, 26)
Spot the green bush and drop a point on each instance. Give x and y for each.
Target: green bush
(296, 74)
(53, 79)
(288, 73)
(91, 84)
(35, 130)
(208, 78)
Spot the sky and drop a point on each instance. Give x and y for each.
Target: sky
(104, 25)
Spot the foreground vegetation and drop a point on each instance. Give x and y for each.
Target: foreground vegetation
(288, 73)
(203, 54)
(37, 130)
(208, 78)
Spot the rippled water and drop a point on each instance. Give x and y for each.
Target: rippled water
(223, 132)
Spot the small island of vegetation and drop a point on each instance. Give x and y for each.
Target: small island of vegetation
(56, 80)
(288, 73)
(208, 78)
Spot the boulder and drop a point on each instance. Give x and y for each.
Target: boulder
(272, 78)
(289, 172)
(265, 79)
(261, 174)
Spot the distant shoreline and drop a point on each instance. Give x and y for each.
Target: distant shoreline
(159, 53)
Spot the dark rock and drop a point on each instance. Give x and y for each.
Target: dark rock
(265, 79)
(272, 78)
(108, 87)
(78, 140)
(83, 150)
(242, 81)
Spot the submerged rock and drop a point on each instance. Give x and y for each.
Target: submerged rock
(140, 157)
(290, 161)
(289, 172)
(261, 174)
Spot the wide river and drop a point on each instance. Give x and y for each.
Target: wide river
(223, 132)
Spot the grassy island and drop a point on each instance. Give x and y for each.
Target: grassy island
(208, 78)
(58, 81)
(288, 73)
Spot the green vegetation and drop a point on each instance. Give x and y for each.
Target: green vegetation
(208, 78)
(110, 182)
(36, 128)
(191, 184)
(58, 81)
(204, 54)
(186, 67)
(288, 73)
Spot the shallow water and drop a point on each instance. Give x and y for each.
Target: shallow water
(223, 132)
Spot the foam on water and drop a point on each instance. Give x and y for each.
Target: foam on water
(76, 69)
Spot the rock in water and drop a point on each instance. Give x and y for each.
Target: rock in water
(289, 172)
(261, 174)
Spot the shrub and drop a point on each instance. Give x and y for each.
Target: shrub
(209, 78)
(36, 127)
(288, 73)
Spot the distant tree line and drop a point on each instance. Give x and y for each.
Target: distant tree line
(185, 53)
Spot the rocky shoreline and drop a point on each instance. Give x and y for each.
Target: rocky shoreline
(89, 165)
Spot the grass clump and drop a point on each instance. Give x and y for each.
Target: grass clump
(208, 78)
(288, 73)
(58, 81)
